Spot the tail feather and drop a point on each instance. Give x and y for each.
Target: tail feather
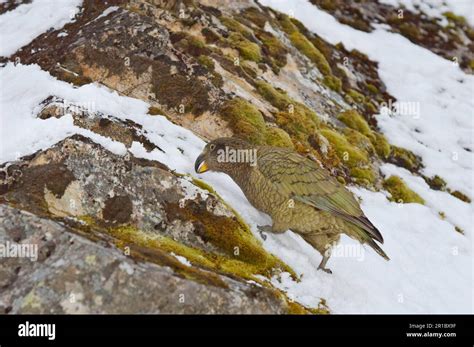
(363, 235)
(369, 227)
(377, 248)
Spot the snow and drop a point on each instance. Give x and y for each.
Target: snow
(436, 8)
(431, 265)
(182, 259)
(21, 25)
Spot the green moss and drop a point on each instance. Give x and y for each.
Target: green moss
(455, 18)
(410, 30)
(459, 230)
(278, 99)
(363, 176)
(471, 64)
(235, 26)
(256, 16)
(381, 145)
(247, 50)
(435, 182)
(249, 69)
(359, 140)
(400, 191)
(210, 35)
(154, 111)
(442, 215)
(370, 107)
(273, 49)
(278, 137)
(250, 259)
(295, 118)
(304, 45)
(350, 155)
(404, 158)
(460, 196)
(332, 82)
(245, 120)
(204, 60)
(190, 44)
(372, 89)
(355, 96)
(354, 120)
(76, 79)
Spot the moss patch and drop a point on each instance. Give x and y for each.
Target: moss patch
(256, 16)
(273, 50)
(460, 196)
(359, 140)
(381, 145)
(175, 89)
(332, 82)
(235, 26)
(247, 49)
(278, 137)
(304, 45)
(354, 96)
(400, 191)
(355, 121)
(245, 120)
(450, 16)
(347, 153)
(362, 176)
(204, 60)
(435, 182)
(155, 111)
(404, 158)
(295, 118)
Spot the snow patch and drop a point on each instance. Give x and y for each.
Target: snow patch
(21, 25)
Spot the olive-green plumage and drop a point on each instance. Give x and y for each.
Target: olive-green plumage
(296, 192)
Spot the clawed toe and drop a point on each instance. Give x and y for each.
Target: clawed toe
(262, 230)
(325, 269)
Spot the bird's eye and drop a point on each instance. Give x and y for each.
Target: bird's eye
(212, 146)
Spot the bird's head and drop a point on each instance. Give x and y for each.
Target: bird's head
(224, 154)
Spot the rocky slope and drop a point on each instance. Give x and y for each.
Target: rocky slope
(112, 226)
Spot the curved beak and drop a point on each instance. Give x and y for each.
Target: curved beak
(200, 165)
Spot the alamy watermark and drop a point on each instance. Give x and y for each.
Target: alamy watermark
(19, 250)
(345, 251)
(232, 155)
(407, 108)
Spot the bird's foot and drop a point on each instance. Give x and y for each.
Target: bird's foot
(325, 269)
(262, 229)
(322, 265)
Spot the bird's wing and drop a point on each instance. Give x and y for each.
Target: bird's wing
(304, 180)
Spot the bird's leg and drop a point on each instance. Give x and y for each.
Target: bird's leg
(322, 265)
(264, 229)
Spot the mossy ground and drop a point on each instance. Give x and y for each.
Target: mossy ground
(400, 192)
(354, 120)
(295, 118)
(247, 49)
(404, 158)
(278, 137)
(332, 82)
(304, 45)
(245, 119)
(350, 155)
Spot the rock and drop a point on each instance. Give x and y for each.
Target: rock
(76, 275)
